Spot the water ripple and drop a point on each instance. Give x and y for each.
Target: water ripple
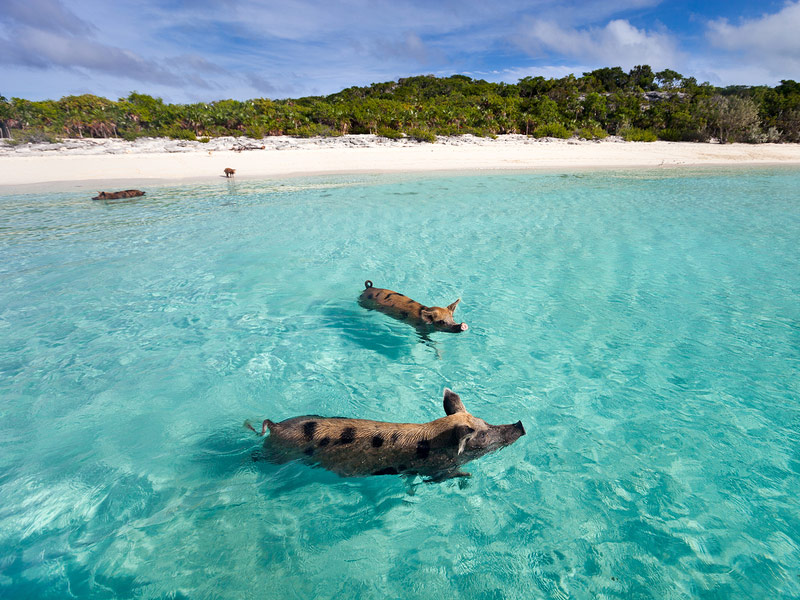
(643, 326)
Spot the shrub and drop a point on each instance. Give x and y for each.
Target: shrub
(756, 136)
(670, 135)
(682, 135)
(481, 132)
(634, 134)
(314, 130)
(554, 130)
(592, 132)
(422, 135)
(773, 135)
(733, 119)
(256, 132)
(447, 130)
(389, 133)
(204, 140)
(178, 133)
(32, 136)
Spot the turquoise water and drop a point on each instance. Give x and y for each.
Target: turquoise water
(645, 328)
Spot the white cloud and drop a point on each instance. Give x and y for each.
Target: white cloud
(769, 45)
(772, 34)
(45, 50)
(260, 84)
(514, 74)
(47, 15)
(46, 35)
(410, 47)
(189, 50)
(618, 43)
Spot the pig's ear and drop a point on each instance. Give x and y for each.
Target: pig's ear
(461, 435)
(452, 307)
(427, 315)
(452, 402)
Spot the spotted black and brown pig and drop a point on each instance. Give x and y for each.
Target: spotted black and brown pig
(118, 195)
(408, 310)
(357, 447)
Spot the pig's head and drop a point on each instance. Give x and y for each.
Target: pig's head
(475, 436)
(442, 318)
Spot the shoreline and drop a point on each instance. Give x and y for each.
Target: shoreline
(96, 163)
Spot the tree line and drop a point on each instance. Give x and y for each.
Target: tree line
(639, 105)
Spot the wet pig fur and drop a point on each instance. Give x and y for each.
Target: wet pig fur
(118, 195)
(357, 447)
(408, 310)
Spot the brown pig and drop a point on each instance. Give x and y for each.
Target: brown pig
(357, 447)
(408, 310)
(229, 172)
(118, 195)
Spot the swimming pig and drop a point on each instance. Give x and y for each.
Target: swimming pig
(118, 195)
(356, 447)
(404, 308)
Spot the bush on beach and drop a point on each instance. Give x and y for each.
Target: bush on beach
(176, 133)
(36, 136)
(314, 130)
(422, 135)
(389, 133)
(130, 136)
(553, 130)
(638, 105)
(592, 132)
(635, 134)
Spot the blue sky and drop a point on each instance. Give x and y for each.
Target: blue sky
(187, 51)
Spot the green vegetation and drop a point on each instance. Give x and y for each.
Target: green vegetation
(637, 105)
(554, 130)
(635, 134)
(592, 132)
(422, 135)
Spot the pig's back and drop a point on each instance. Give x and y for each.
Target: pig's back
(391, 302)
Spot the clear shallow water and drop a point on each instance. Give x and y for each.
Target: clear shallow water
(645, 327)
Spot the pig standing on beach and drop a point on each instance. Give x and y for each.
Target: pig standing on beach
(404, 308)
(118, 195)
(357, 447)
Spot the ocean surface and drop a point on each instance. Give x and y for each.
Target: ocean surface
(643, 325)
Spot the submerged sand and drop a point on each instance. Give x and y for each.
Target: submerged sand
(115, 161)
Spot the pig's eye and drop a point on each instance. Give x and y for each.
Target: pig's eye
(440, 322)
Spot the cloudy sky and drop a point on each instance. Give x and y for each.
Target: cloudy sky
(199, 50)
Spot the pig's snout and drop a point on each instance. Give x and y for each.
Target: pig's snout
(458, 327)
(518, 425)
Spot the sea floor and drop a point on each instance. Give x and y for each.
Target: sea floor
(644, 327)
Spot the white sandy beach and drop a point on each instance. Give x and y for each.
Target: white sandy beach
(91, 162)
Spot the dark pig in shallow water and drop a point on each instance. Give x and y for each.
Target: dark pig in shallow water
(357, 447)
(118, 195)
(404, 308)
